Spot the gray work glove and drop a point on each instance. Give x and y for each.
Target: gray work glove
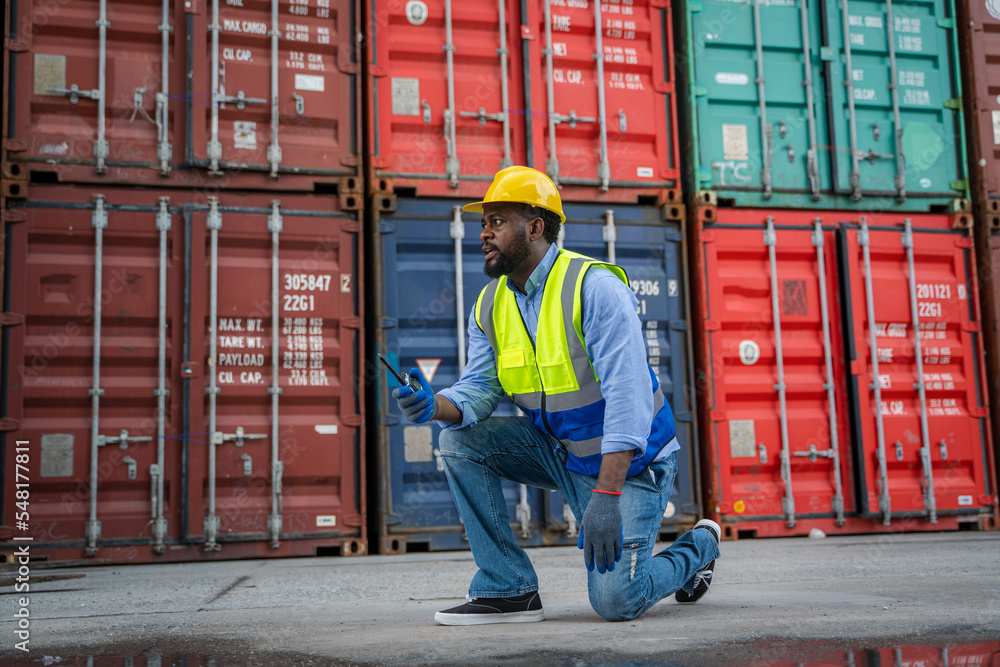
(601, 533)
(417, 406)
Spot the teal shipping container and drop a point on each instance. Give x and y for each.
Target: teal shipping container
(853, 104)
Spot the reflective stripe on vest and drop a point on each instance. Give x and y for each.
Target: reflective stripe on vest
(553, 379)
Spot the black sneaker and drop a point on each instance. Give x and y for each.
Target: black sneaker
(525, 608)
(703, 577)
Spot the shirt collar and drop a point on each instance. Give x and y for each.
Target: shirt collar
(538, 276)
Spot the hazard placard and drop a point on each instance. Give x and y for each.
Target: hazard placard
(428, 367)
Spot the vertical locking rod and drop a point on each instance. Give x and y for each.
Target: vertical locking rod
(884, 500)
(788, 502)
(99, 221)
(274, 521)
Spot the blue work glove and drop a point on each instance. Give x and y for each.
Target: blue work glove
(601, 533)
(417, 406)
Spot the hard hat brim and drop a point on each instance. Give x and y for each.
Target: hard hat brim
(477, 207)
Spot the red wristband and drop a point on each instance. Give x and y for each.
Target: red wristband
(610, 493)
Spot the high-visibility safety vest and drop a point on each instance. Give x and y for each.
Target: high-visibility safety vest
(553, 379)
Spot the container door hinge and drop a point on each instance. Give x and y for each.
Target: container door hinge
(8, 425)
(979, 412)
(675, 237)
(351, 323)
(16, 145)
(388, 419)
(15, 45)
(679, 325)
(352, 420)
(386, 228)
(953, 103)
(11, 319)
(354, 521)
(684, 417)
(971, 327)
(706, 237)
(947, 24)
(711, 325)
(724, 508)
(351, 227)
(826, 54)
(388, 323)
(717, 415)
(694, 7)
(703, 176)
(699, 91)
(13, 216)
(961, 185)
(988, 499)
(965, 242)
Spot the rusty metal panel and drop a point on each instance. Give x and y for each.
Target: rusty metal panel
(317, 486)
(59, 112)
(128, 95)
(979, 37)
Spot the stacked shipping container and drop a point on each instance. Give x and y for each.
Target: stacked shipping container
(843, 387)
(980, 32)
(186, 327)
(457, 91)
(181, 181)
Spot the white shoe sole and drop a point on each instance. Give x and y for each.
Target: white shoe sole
(442, 618)
(708, 523)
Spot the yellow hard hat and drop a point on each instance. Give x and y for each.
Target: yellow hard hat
(523, 185)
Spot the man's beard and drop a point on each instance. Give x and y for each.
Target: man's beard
(505, 262)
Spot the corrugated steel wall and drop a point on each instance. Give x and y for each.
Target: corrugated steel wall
(273, 123)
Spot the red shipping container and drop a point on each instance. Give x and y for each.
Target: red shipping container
(285, 76)
(921, 403)
(609, 126)
(460, 90)
(288, 476)
(979, 38)
(94, 96)
(446, 94)
(791, 432)
(124, 92)
(750, 416)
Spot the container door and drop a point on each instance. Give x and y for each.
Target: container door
(424, 315)
(758, 99)
(90, 92)
(776, 410)
(921, 434)
(284, 88)
(650, 251)
(86, 367)
(604, 73)
(895, 99)
(447, 94)
(280, 456)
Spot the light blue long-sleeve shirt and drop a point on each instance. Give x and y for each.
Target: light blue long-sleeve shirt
(615, 344)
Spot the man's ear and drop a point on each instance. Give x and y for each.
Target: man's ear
(536, 226)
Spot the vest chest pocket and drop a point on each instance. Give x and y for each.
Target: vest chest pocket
(557, 376)
(516, 371)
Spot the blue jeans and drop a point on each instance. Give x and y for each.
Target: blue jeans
(477, 457)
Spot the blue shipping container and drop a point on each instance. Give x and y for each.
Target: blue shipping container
(417, 313)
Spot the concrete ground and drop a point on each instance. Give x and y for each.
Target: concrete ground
(773, 600)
